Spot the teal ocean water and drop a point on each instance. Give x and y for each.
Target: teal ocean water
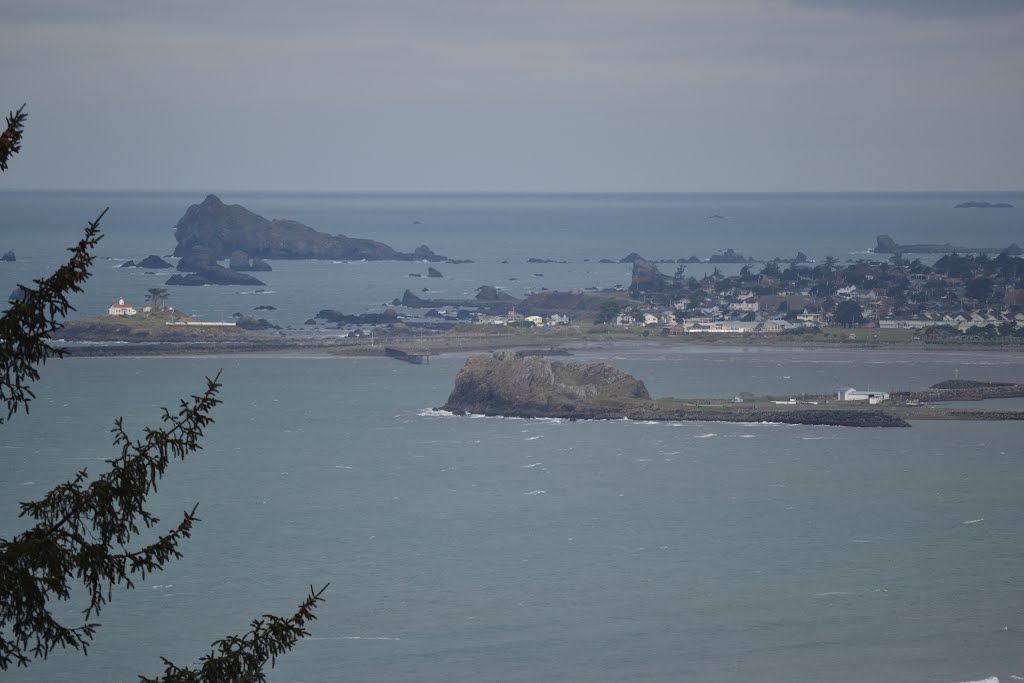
(462, 548)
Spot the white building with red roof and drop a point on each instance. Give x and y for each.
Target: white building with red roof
(122, 307)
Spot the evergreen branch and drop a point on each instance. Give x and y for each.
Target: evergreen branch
(243, 658)
(26, 326)
(79, 526)
(10, 139)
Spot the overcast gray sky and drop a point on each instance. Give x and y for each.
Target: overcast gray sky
(523, 95)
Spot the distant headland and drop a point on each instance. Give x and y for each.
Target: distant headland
(884, 244)
(983, 205)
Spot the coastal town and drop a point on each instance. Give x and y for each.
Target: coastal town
(967, 296)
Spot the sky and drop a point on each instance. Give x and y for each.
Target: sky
(516, 96)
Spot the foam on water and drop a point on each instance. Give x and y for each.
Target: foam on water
(435, 412)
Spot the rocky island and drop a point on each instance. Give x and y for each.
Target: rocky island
(218, 230)
(983, 205)
(509, 384)
(884, 244)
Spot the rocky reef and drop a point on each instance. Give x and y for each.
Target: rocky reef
(487, 297)
(214, 275)
(219, 229)
(511, 385)
(151, 262)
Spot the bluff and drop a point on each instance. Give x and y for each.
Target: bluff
(512, 385)
(219, 229)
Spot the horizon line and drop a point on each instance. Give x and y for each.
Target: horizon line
(500, 192)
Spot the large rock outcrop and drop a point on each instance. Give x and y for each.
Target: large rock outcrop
(506, 383)
(647, 278)
(220, 229)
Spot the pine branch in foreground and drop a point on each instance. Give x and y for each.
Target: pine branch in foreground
(243, 658)
(26, 326)
(10, 139)
(82, 532)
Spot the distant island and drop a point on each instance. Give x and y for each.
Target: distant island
(983, 205)
(212, 231)
(884, 244)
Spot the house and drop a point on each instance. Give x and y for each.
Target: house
(535, 319)
(558, 319)
(851, 394)
(724, 326)
(812, 318)
(121, 307)
(907, 323)
(774, 326)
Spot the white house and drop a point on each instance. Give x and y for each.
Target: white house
(724, 326)
(872, 397)
(121, 307)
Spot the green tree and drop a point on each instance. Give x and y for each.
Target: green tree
(979, 289)
(81, 529)
(607, 312)
(157, 295)
(849, 313)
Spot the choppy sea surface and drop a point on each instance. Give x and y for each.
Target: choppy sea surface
(464, 548)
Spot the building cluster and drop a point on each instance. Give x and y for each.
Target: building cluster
(512, 318)
(956, 295)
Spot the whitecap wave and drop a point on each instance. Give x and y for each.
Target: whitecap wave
(435, 412)
(704, 436)
(534, 493)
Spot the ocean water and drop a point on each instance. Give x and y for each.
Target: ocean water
(462, 548)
